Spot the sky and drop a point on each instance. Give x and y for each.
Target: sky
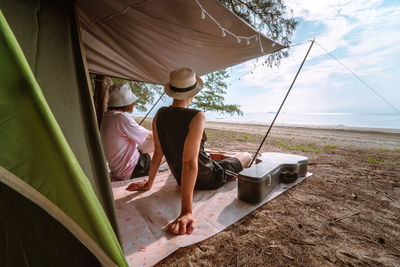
(363, 35)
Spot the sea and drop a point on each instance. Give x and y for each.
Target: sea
(359, 120)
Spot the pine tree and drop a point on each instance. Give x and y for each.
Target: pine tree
(268, 16)
(211, 98)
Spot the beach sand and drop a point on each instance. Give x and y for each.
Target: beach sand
(347, 213)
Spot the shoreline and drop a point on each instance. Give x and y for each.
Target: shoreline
(309, 126)
(340, 136)
(212, 123)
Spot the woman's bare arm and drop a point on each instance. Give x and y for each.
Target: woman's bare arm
(154, 165)
(185, 223)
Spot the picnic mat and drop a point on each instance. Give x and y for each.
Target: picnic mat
(142, 216)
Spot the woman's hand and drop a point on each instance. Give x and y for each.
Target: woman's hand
(184, 224)
(139, 186)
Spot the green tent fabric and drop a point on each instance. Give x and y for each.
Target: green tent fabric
(27, 225)
(35, 156)
(48, 35)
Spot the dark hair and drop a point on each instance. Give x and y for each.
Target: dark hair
(123, 108)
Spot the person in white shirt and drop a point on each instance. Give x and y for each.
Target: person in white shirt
(121, 136)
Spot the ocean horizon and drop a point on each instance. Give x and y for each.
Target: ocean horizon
(363, 120)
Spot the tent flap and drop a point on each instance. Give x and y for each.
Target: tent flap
(48, 36)
(145, 40)
(33, 145)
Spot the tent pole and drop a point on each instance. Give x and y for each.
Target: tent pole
(151, 109)
(283, 102)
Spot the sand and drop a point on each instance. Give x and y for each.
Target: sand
(347, 213)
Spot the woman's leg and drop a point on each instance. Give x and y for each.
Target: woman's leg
(244, 158)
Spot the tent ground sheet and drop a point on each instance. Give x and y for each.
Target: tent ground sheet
(143, 216)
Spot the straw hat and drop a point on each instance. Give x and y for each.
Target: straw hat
(183, 84)
(121, 95)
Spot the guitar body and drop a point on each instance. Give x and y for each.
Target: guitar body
(258, 181)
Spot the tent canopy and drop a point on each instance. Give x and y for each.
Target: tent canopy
(144, 40)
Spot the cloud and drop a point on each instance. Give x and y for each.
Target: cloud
(363, 35)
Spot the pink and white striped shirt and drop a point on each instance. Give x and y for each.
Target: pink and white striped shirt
(120, 136)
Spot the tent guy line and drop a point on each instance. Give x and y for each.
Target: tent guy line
(152, 108)
(359, 78)
(326, 51)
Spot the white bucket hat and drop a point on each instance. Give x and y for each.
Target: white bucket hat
(121, 95)
(183, 84)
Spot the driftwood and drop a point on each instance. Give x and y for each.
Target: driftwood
(297, 242)
(344, 217)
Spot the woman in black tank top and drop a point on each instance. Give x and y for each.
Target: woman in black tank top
(178, 133)
(172, 129)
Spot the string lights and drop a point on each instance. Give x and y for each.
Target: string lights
(224, 31)
(204, 14)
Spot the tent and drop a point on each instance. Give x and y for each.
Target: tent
(56, 205)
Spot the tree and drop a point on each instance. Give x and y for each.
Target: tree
(144, 91)
(211, 98)
(270, 17)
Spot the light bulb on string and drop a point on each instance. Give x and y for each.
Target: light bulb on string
(248, 41)
(203, 14)
(223, 32)
(238, 39)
